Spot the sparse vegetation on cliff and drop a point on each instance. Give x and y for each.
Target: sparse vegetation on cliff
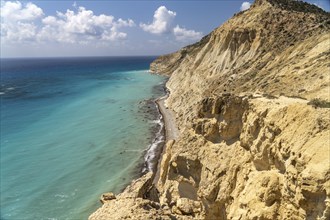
(318, 103)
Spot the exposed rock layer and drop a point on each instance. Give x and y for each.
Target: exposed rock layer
(246, 149)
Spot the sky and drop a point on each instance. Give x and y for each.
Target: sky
(111, 28)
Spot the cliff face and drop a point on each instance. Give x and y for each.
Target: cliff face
(266, 49)
(252, 145)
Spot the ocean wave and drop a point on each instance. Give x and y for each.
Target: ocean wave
(154, 150)
(61, 196)
(157, 121)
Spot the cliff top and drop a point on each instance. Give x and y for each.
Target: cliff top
(292, 5)
(277, 47)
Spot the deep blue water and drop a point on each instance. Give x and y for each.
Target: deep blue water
(71, 129)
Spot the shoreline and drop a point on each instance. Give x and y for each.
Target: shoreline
(171, 131)
(167, 131)
(154, 154)
(154, 149)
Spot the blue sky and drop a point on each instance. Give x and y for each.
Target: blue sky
(110, 28)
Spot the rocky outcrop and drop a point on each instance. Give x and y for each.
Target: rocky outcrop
(252, 144)
(259, 168)
(270, 160)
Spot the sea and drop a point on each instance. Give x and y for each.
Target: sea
(72, 129)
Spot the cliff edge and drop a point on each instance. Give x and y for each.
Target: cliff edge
(251, 100)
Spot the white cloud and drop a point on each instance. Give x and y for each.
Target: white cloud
(75, 5)
(80, 26)
(182, 34)
(161, 23)
(124, 23)
(17, 21)
(245, 6)
(15, 11)
(19, 32)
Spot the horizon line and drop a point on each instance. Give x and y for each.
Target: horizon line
(97, 56)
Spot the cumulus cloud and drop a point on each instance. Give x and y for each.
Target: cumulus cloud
(80, 26)
(15, 11)
(20, 32)
(17, 21)
(245, 6)
(83, 25)
(182, 34)
(161, 23)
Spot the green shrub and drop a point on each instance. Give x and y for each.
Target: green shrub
(319, 103)
(269, 96)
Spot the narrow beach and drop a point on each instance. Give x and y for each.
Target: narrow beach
(171, 130)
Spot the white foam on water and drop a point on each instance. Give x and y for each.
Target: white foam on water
(154, 151)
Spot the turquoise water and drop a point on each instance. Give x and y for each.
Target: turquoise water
(71, 131)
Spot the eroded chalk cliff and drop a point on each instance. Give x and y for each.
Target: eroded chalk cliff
(252, 104)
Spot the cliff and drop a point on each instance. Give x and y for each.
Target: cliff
(251, 101)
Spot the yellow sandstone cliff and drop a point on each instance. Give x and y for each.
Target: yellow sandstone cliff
(251, 101)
